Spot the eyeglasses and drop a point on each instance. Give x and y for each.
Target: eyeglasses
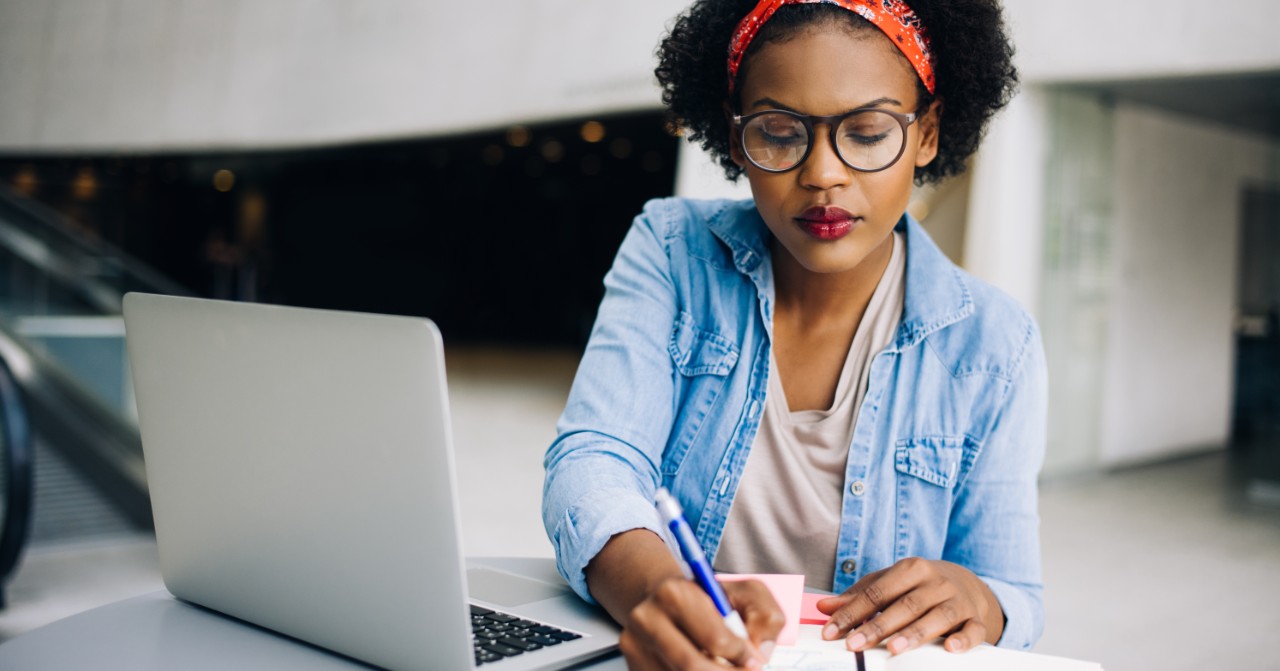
(867, 140)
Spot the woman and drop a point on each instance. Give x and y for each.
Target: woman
(822, 390)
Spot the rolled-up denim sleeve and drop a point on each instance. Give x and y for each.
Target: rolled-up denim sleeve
(995, 524)
(602, 468)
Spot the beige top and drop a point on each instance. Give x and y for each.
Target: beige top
(786, 513)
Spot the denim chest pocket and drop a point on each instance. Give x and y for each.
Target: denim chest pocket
(698, 352)
(702, 360)
(928, 470)
(935, 460)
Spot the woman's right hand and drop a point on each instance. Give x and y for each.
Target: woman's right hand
(669, 623)
(677, 627)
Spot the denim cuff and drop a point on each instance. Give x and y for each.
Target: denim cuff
(590, 522)
(1023, 618)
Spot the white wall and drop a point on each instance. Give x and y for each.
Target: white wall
(1169, 373)
(1106, 39)
(145, 75)
(1002, 241)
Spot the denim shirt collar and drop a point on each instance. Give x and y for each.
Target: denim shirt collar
(937, 293)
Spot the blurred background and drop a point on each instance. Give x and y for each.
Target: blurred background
(478, 164)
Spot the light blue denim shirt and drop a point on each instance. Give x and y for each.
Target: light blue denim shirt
(945, 452)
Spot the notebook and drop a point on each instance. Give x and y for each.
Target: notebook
(802, 648)
(300, 465)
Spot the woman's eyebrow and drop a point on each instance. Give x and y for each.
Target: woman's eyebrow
(774, 104)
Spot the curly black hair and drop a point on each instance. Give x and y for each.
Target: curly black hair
(974, 70)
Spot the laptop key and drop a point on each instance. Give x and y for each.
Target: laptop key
(501, 617)
(564, 635)
(484, 657)
(504, 650)
(543, 640)
(479, 610)
(519, 643)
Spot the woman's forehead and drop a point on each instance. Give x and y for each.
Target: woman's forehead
(827, 70)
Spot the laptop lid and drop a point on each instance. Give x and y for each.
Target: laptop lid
(301, 473)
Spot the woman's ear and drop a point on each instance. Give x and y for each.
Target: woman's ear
(735, 144)
(929, 124)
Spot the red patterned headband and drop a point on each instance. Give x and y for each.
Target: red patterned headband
(893, 17)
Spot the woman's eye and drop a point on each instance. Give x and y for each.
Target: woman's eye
(866, 139)
(781, 136)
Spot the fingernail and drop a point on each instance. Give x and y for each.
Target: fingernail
(856, 641)
(766, 650)
(899, 644)
(754, 663)
(829, 632)
(953, 644)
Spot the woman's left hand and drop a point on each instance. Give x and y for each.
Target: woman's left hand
(918, 600)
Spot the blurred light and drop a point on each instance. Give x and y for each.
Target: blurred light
(592, 131)
(591, 165)
(518, 136)
(223, 180)
(620, 147)
(492, 154)
(553, 151)
(652, 161)
(26, 181)
(84, 186)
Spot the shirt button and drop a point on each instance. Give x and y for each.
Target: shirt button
(849, 566)
(857, 488)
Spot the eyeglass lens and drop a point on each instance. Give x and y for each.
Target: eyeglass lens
(868, 140)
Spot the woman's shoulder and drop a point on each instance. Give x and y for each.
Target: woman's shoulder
(990, 332)
(711, 232)
(678, 216)
(1001, 326)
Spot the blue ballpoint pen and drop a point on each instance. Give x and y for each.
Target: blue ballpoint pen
(691, 552)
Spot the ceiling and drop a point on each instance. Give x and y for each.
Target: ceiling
(1246, 101)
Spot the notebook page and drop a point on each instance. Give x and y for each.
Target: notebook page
(811, 653)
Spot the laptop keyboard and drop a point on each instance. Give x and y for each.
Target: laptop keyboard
(496, 635)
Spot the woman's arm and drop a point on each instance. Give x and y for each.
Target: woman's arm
(602, 469)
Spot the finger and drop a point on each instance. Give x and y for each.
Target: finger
(759, 610)
(943, 618)
(874, 595)
(660, 644)
(638, 657)
(908, 609)
(829, 605)
(971, 635)
(691, 611)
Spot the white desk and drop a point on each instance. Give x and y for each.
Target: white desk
(157, 632)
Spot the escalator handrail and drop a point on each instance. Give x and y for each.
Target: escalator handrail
(66, 415)
(42, 237)
(19, 472)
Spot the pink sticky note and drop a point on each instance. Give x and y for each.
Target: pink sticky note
(809, 613)
(787, 591)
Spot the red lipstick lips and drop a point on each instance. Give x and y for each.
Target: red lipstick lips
(826, 223)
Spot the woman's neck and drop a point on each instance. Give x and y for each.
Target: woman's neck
(812, 299)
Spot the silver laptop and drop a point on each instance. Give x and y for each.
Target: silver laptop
(301, 472)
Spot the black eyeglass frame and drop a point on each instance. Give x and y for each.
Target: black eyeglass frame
(833, 122)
